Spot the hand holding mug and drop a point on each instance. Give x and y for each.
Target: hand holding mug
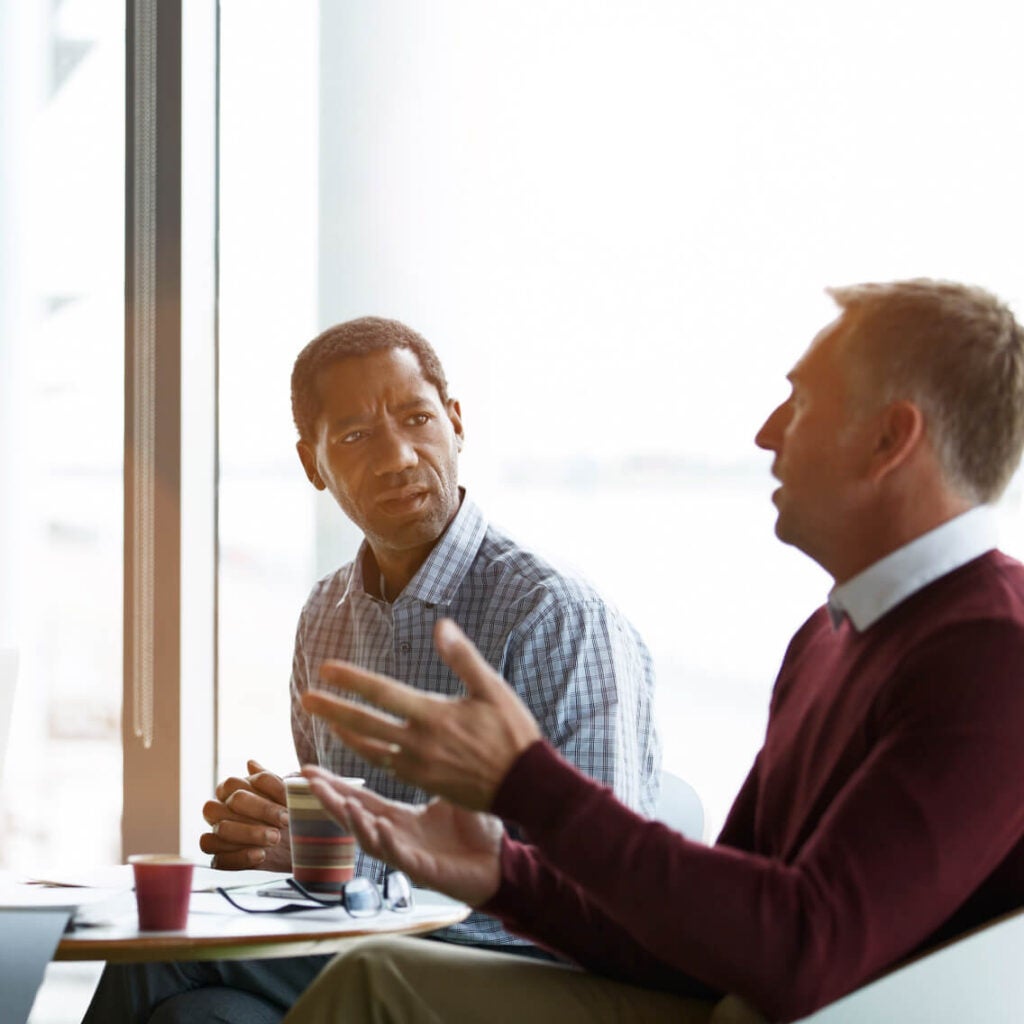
(249, 823)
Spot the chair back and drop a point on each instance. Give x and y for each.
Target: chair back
(976, 977)
(680, 807)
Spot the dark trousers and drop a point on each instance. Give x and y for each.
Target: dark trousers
(189, 992)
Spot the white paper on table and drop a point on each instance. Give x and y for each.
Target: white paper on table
(120, 876)
(23, 897)
(110, 876)
(206, 879)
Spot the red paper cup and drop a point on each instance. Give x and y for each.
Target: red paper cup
(163, 882)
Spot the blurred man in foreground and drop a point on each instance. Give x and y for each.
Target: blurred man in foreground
(884, 811)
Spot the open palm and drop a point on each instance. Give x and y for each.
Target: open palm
(439, 845)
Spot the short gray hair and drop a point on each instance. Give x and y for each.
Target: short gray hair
(957, 352)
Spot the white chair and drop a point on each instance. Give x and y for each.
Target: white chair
(680, 808)
(976, 977)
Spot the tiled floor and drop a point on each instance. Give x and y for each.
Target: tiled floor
(65, 993)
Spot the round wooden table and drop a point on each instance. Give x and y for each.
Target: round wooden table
(216, 931)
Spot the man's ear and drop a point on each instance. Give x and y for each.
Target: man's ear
(454, 411)
(901, 433)
(308, 459)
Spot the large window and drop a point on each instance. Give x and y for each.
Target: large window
(614, 221)
(268, 288)
(61, 379)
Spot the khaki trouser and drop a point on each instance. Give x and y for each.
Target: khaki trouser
(412, 981)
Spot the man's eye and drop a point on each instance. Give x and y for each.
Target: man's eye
(352, 436)
(418, 419)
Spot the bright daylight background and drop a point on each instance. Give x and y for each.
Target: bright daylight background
(613, 219)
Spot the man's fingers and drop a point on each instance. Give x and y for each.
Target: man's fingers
(347, 812)
(237, 860)
(210, 842)
(257, 778)
(266, 782)
(353, 717)
(375, 803)
(366, 828)
(239, 834)
(389, 694)
(231, 856)
(389, 756)
(253, 807)
(214, 811)
(269, 785)
(229, 786)
(333, 801)
(459, 654)
(246, 819)
(387, 842)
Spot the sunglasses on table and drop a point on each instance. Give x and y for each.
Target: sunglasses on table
(360, 897)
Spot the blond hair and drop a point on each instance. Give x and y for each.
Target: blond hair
(957, 352)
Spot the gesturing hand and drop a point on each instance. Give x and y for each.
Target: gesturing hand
(250, 823)
(437, 845)
(459, 748)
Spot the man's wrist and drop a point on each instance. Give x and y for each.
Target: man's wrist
(508, 784)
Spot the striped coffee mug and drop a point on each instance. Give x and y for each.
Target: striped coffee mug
(323, 852)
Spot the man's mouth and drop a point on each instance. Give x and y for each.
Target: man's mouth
(402, 500)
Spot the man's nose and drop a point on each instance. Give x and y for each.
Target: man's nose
(770, 433)
(394, 453)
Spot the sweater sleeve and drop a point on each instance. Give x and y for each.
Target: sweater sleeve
(916, 828)
(541, 903)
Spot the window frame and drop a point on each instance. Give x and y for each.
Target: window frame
(170, 452)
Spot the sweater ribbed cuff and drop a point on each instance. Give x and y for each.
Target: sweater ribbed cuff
(539, 788)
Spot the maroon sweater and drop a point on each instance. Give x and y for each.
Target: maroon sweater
(885, 811)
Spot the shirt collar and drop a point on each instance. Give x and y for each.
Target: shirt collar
(441, 575)
(866, 597)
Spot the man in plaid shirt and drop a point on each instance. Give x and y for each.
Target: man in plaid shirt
(378, 430)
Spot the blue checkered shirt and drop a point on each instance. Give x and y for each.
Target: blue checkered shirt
(579, 666)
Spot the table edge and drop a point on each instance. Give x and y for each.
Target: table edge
(176, 946)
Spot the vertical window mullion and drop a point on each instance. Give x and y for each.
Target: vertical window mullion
(151, 716)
